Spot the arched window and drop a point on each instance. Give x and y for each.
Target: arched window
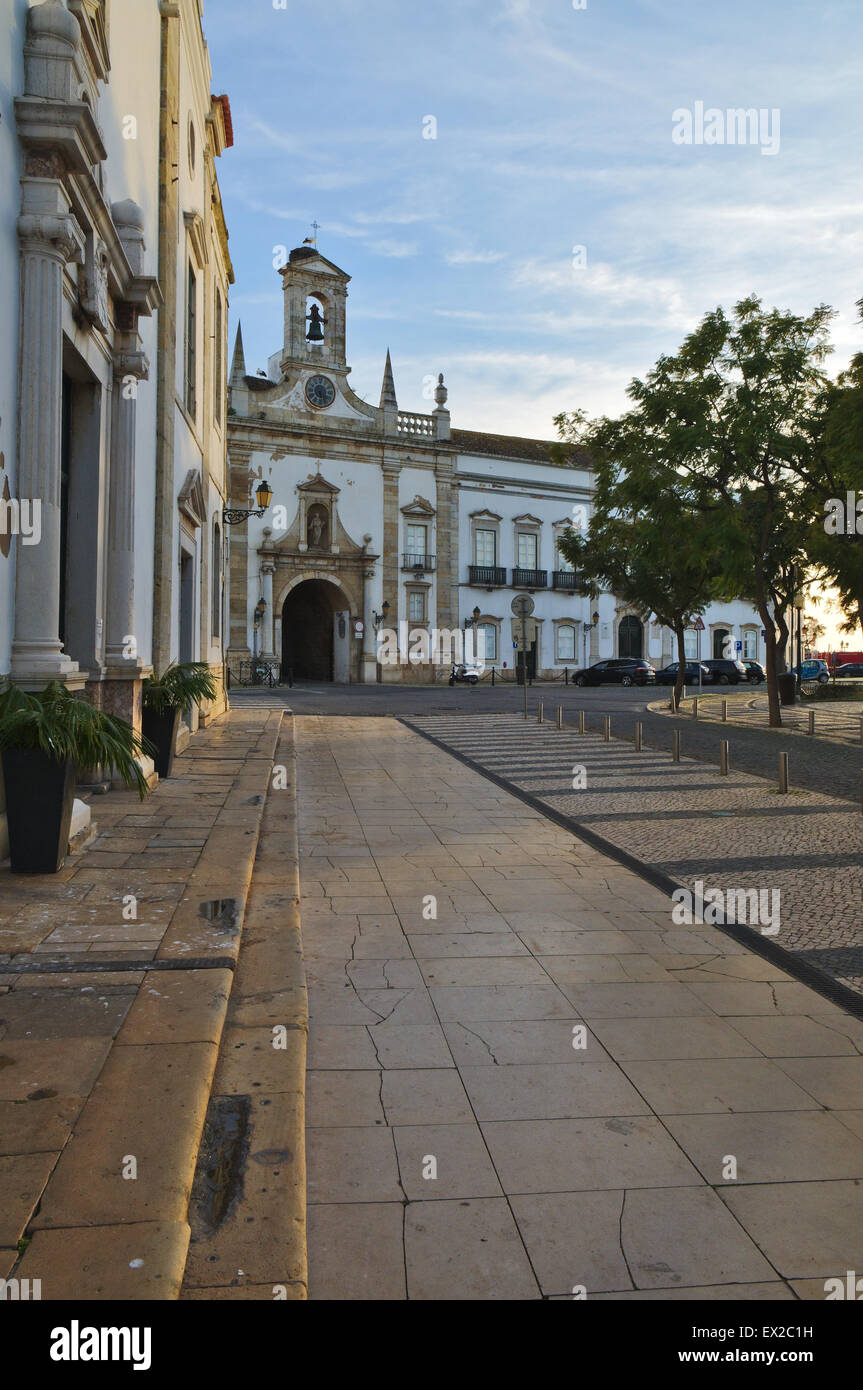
(719, 637)
(217, 581)
(630, 637)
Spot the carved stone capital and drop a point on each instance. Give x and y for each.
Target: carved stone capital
(135, 364)
(44, 164)
(58, 236)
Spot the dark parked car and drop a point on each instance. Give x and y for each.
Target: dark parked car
(726, 672)
(621, 671)
(668, 674)
(755, 672)
(852, 670)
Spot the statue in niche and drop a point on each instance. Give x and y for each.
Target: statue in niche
(316, 325)
(316, 537)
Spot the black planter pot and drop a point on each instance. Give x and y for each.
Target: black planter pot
(40, 793)
(161, 730)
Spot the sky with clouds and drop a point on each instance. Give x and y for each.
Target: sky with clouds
(554, 132)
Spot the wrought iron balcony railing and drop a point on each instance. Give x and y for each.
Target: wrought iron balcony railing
(418, 562)
(487, 576)
(529, 579)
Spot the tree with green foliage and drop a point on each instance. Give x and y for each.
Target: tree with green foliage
(644, 543)
(729, 425)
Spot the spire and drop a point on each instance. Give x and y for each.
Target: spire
(238, 361)
(388, 388)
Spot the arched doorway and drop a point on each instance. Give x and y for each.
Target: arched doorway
(630, 637)
(316, 632)
(719, 636)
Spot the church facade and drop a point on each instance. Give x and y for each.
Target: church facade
(395, 541)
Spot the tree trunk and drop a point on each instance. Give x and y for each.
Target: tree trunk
(767, 618)
(681, 666)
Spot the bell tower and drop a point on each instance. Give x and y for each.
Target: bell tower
(315, 292)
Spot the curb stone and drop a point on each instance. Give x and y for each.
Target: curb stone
(97, 1235)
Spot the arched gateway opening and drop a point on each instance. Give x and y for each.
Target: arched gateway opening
(316, 632)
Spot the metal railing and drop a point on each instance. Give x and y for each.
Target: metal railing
(418, 562)
(487, 576)
(529, 579)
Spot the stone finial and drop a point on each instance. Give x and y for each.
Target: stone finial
(238, 361)
(388, 387)
(129, 221)
(51, 51)
(440, 412)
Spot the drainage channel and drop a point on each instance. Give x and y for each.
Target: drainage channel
(220, 912)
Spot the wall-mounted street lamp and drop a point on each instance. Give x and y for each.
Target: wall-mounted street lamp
(382, 616)
(260, 609)
(235, 516)
(472, 622)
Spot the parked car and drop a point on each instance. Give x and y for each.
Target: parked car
(755, 672)
(726, 672)
(851, 670)
(668, 674)
(814, 671)
(620, 671)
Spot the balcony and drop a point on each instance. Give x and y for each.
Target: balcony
(419, 562)
(565, 580)
(487, 576)
(529, 579)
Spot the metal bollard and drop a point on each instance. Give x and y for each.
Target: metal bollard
(723, 757)
(783, 772)
(560, 716)
(812, 721)
(675, 747)
(581, 721)
(606, 727)
(724, 711)
(695, 707)
(638, 731)
(539, 713)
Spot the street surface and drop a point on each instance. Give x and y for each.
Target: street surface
(525, 1081)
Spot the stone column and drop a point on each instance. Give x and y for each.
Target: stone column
(368, 658)
(125, 666)
(390, 556)
(49, 238)
(267, 569)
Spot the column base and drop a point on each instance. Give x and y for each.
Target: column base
(122, 691)
(368, 669)
(35, 664)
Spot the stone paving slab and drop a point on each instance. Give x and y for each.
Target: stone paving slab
(691, 824)
(478, 1131)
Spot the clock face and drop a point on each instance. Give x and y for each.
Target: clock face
(320, 392)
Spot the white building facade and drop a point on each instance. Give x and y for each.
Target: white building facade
(388, 528)
(100, 473)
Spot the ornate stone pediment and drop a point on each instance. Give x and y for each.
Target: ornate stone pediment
(190, 499)
(484, 515)
(420, 506)
(316, 483)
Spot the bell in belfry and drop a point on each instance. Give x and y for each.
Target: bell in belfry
(316, 325)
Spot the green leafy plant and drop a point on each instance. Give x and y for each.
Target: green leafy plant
(52, 721)
(181, 684)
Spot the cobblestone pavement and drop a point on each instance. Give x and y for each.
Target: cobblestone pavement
(523, 1081)
(820, 765)
(692, 824)
(834, 719)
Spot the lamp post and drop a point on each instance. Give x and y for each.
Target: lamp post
(260, 609)
(470, 626)
(588, 628)
(235, 516)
